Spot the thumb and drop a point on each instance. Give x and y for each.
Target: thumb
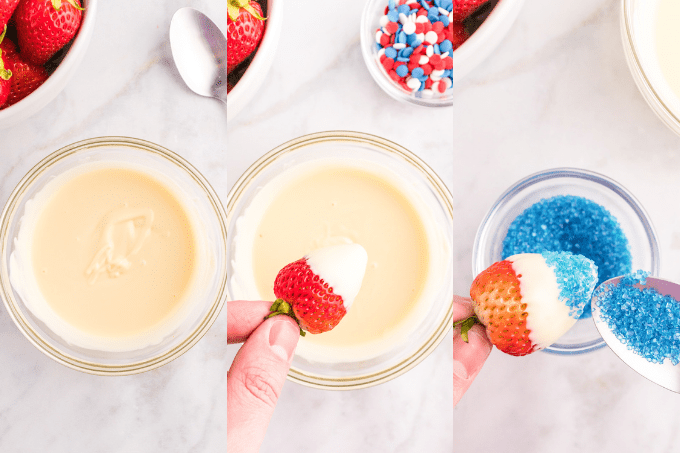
(468, 358)
(255, 379)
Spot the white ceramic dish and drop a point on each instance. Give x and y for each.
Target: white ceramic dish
(35, 101)
(248, 86)
(485, 40)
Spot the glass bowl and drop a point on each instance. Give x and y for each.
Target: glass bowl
(638, 37)
(420, 183)
(583, 336)
(189, 183)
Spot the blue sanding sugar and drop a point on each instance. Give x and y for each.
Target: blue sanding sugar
(576, 279)
(646, 321)
(567, 223)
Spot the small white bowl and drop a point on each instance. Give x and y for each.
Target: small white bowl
(252, 80)
(31, 104)
(486, 38)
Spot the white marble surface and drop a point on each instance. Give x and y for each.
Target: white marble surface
(127, 85)
(557, 92)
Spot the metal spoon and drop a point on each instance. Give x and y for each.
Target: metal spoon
(200, 52)
(664, 374)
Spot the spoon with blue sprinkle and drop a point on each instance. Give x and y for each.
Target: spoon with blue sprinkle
(639, 318)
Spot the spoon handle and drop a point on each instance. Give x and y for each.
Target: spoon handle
(220, 87)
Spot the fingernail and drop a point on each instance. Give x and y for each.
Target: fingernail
(283, 337)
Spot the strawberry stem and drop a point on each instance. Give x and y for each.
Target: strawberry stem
(56, 4)
(5, 74)
(465, 326)
(281, 307)
(234, 8)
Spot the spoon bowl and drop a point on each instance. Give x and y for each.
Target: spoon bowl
(200, 52)
(664, 374)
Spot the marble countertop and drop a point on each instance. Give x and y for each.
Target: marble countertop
(556, 92)
(127, 85)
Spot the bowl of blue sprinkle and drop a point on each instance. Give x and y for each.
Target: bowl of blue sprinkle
(576, 211)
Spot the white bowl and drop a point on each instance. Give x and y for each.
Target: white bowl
(250, 83)
(487, 37)
(35, 101)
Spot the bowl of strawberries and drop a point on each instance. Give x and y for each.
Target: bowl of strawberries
(254, 27)
(42, 42)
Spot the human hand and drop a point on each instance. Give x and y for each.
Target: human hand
(469, 357)
(256, 376)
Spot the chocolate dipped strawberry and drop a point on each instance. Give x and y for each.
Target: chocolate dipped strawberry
(528, 301)
(318, 289)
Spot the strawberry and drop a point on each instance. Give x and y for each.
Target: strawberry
(6, 67)
(26, 78)
(6, 9)
(245, 27)
(458, 35)
(45, 26)
(463, 8)
(527, 301)
(317, 290)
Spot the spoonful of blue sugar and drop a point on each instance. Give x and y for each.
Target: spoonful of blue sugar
(639, 318)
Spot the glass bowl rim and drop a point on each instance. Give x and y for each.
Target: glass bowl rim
(443, 195)
(577, 173)
(639, 74)
(6, 292)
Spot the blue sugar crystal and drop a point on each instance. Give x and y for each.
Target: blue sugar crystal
(643, 319)
(576, 279)
(568, 223)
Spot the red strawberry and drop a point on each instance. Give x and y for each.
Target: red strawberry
(245, 27)
(530, 300)
(318, 289)
(45, 26)
(458, 35)
(6, 9)
(463, 8)
(6, 67)
(26, 78)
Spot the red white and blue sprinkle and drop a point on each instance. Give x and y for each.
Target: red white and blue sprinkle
(415, 44)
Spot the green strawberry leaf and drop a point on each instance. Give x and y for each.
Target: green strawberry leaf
(234, 8)
(56, 4)
(281, 307)
(465, 326)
